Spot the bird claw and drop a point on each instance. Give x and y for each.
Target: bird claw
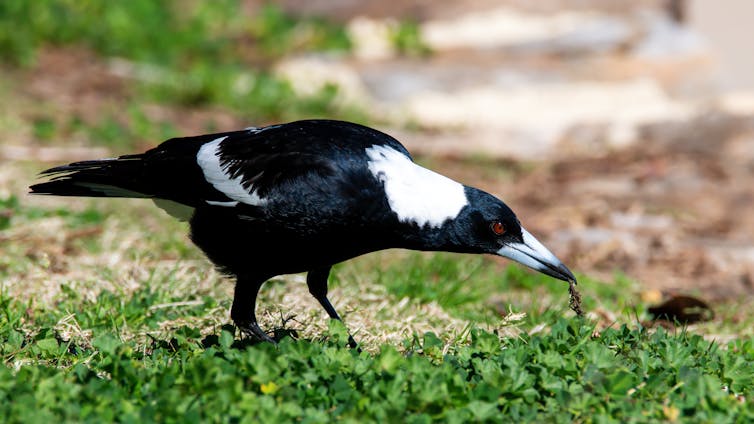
(353, 345)
(252, 330)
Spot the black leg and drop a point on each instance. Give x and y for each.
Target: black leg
(316, 279)
(243, 311)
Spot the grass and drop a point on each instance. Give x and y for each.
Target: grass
(146, 337)
(193, 54)
(168, 32)
(406, 39)
(566, 374)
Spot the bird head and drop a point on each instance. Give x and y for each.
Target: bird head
(487, 225)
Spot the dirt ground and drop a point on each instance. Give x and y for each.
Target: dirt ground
(672, 211)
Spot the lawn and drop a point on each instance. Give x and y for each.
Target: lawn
(139, 332)
(108, 313)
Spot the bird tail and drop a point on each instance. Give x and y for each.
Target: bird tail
(115, 177)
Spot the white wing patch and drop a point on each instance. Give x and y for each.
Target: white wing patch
(216, 174)
(414, 193)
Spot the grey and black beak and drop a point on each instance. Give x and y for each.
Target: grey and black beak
(536, 256)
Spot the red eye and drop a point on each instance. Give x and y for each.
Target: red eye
(498, 228)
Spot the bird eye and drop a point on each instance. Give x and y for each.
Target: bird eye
(498, 228)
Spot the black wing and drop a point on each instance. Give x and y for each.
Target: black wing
(266, 160)
(270, 158)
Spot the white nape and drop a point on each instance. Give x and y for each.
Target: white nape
(216, 174)
(414, 193)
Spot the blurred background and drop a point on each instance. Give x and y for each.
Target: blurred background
(622, 131)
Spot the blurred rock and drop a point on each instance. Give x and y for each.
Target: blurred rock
(641, 222)
(543, 113)
(738, 103)
(605, 186)
(617, 67)
(501, 27)
(727, 27)
(371, 38)
(309, 75)
(593, 237)
(597, 35)
(666, 39)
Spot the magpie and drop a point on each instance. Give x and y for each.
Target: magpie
(302, 197)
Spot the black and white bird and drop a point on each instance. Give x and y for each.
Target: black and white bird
(301, 197)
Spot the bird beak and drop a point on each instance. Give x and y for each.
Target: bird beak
(536, 256)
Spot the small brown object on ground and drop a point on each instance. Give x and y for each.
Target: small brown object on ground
(682, 309)
(575, 301)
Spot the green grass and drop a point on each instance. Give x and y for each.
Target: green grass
(185, 53)
(11, 208)
(165, 32)
(566, 374)
(406, 39)
(155, 344)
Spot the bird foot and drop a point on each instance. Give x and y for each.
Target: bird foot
(352, 344)
(251, 329)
